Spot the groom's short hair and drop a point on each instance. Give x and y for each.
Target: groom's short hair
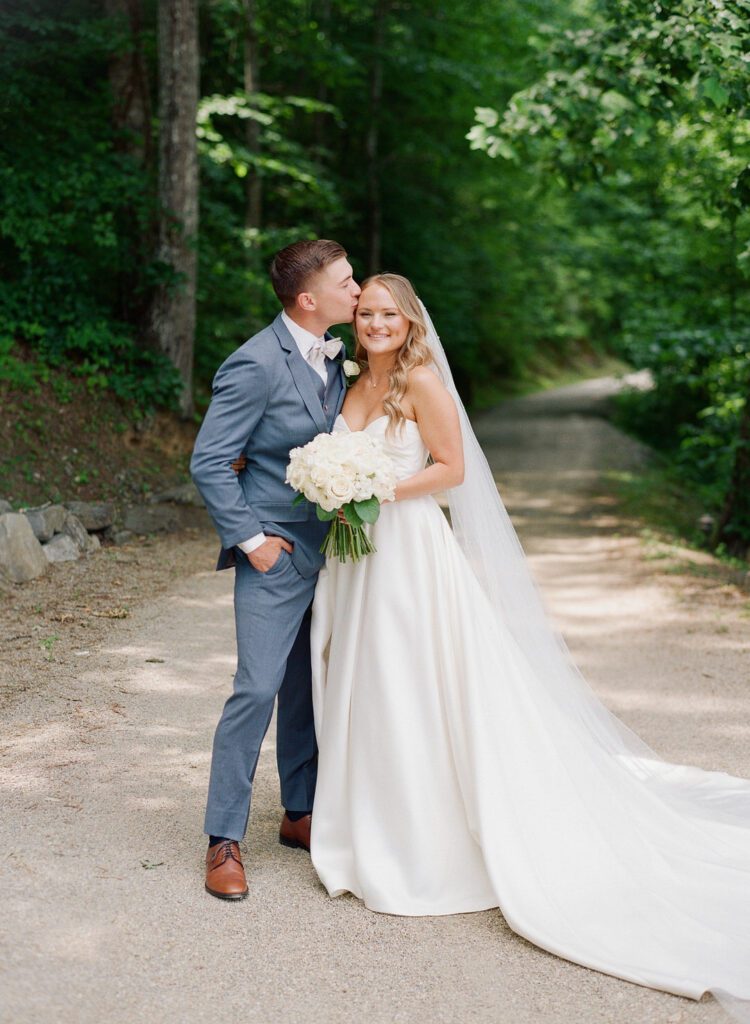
(293, 266)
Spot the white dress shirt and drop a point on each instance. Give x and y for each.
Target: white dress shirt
(305, 340)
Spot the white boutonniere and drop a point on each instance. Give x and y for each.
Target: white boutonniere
(351, 371)
(350, 367)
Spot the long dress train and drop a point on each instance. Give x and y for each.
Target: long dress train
(449, 780)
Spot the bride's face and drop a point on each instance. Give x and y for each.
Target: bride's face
(381, 327)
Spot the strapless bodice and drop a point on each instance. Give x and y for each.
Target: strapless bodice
(406, 447)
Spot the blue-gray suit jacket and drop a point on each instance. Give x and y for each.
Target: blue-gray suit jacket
(264, 403)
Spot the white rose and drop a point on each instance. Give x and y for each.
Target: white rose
(351, 369)
(327, 502)
(320, 475)
(362, 490)
(295, 476)
(342, 488)
(314, 494)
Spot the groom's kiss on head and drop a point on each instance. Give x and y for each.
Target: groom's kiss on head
(314, 283)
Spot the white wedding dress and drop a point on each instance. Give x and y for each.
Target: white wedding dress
(449, 780)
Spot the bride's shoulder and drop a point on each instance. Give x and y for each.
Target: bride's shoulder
(423, 377)
(423, 381)
(428, 398)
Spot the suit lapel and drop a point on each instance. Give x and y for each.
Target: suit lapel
(337, 380)
(300, 374)
(336, 387)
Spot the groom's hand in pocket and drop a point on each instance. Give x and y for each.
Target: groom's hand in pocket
(267, 554)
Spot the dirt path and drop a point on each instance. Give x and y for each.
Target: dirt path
(105, 757)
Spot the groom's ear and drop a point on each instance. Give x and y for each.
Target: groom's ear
(306, 302)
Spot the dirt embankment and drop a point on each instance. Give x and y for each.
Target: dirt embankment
(63, 442)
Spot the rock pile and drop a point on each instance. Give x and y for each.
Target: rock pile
(31, 539)
(34, 537)
(21, 554)
(167, 511)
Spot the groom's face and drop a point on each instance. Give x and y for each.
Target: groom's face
(335, 292)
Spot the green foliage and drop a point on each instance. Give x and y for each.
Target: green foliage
(95, 352)
(108, 358)
(493, 256)
(73, 209)
(368, 511)
(235, 297)
(21, 374)
(483, 252)
(702, 378)
(351, 514)
(634, 65)
(641, 115)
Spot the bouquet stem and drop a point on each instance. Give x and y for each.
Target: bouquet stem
(344, 541)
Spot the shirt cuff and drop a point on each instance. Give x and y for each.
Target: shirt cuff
(254, 542)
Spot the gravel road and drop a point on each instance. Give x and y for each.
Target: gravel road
(104, 763)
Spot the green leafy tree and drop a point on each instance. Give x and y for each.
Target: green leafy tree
(644, 112)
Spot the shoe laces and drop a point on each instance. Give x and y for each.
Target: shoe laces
(225, 851)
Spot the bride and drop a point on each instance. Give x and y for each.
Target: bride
(464, 763)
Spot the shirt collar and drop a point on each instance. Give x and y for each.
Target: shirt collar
(305, 339)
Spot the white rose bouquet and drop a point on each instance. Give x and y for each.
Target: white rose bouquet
(350, 472)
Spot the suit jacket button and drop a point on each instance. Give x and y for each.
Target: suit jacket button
(325, 408)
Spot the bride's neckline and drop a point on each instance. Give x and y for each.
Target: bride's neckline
(377, 418)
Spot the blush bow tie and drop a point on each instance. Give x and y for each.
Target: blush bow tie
(329, 347)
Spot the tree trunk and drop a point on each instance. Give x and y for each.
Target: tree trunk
(128, 77)
(733, 527)
(372, 145)
(173, 309)
(131, 119)
(253, 182)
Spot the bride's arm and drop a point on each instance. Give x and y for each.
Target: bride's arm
(437, 418)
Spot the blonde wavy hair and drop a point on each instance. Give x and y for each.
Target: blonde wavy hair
(414, 352)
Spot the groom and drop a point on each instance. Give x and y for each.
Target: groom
(274, 393)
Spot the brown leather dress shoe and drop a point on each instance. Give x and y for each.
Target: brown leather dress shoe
(295, 833)
(225, 875)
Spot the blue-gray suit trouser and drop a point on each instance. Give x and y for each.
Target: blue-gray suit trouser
(272, 616)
